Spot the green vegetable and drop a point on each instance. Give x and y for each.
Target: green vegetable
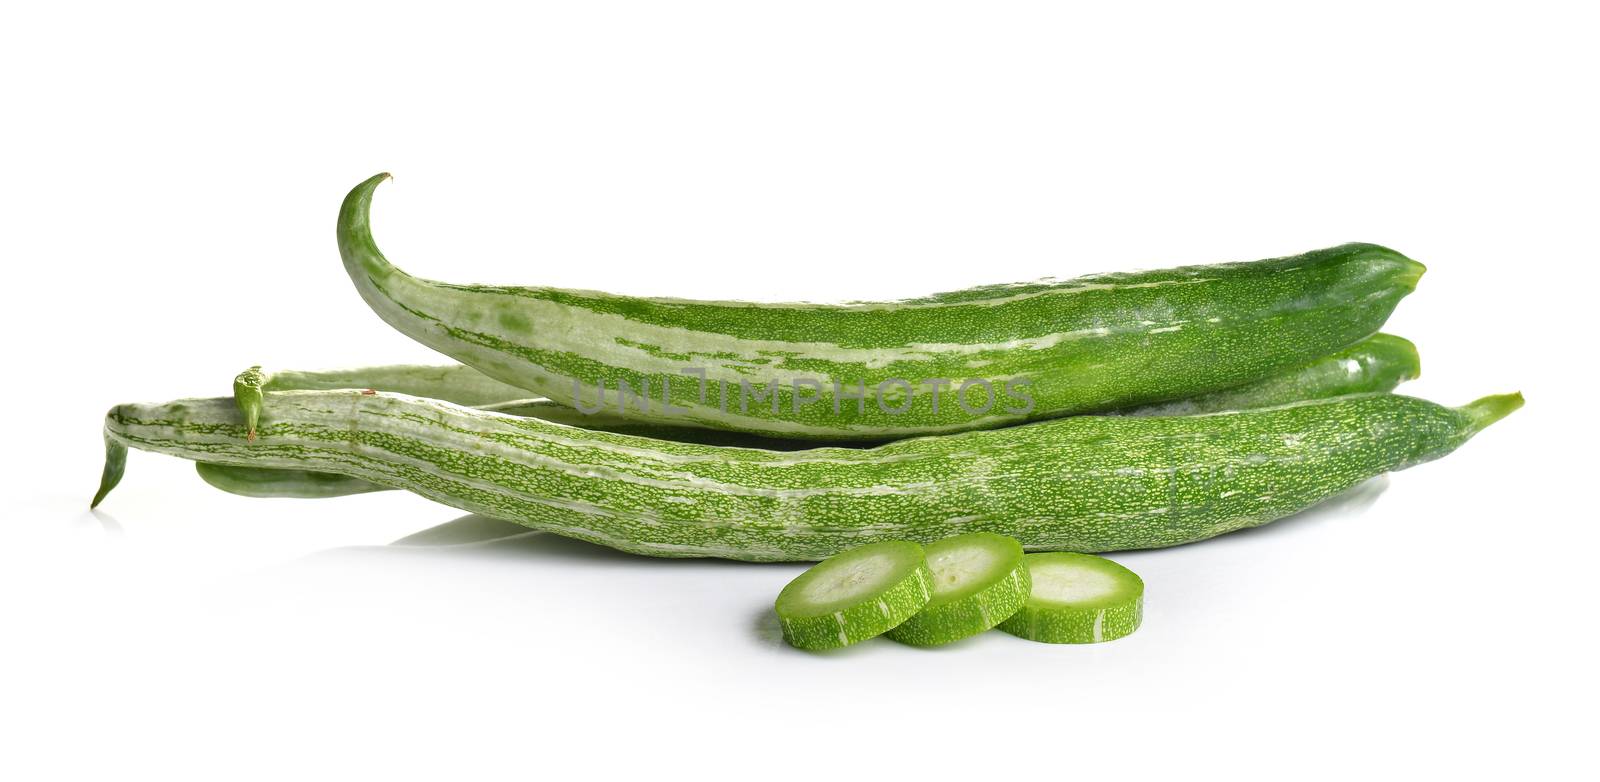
(853, 596)
(979, 581)
(464, 385)
(1079, 484)
(1378, 363)
(546, 410)
(875, 371)
(111, 473)
(1078, 599)
(459, 384)
(263, 482)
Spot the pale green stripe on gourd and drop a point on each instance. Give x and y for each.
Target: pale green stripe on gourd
(979, 581)
(1378, 363)
(456, 383)
(1078, 599)
(1088, 344)
(1080, 484)
(464, 385)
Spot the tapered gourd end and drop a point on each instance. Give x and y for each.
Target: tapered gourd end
(247, 394)
(356, 246)
(1490, 409)
(1410, 359)
(1391, 264)
(1393, 357)
(116, 463)
(1411, 272)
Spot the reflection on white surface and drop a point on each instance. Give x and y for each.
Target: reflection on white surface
(106, 521)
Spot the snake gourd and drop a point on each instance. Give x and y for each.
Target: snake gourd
(979, 358)
(1378, 363)
(1086, 483)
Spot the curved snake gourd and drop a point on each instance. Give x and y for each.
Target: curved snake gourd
(1378, 363)
(1090, 483)
(973, 359)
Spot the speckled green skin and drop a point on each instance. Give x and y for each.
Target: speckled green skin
(1089, 344)
(805, 627)
(972, 608)
(1096, 621)
(1078, 484)
(1378, 363)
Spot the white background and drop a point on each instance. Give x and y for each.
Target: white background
(169, 184)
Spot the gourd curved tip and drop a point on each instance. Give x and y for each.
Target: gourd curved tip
(111, 474)
(371, 183)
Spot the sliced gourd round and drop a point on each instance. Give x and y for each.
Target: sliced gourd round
(858, 594)
(1078, 599)
(979, 581)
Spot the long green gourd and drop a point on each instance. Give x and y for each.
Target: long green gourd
(1378, 363)
(877, 371)
(464, 385)
(294, 484)
(1093, 483)
(451, 383)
